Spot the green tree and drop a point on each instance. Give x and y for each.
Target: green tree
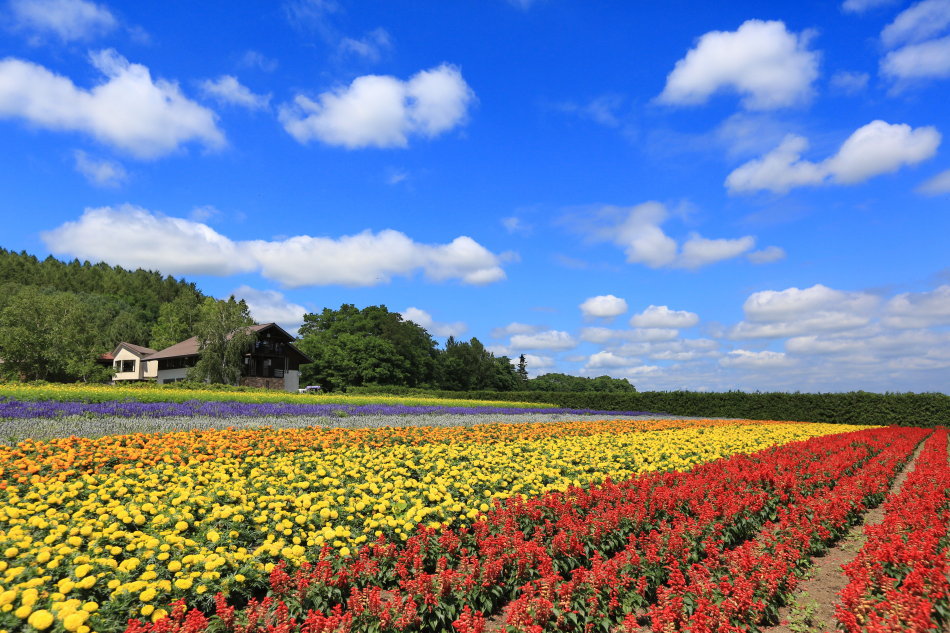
(468, 366)
(48, 336)
(564, 382)
(177, 321)
(522, 369)
(224, 337)
(369, 346)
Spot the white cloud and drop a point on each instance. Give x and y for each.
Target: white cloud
(663, 317)
(536, 363)
(792, 303)
(270, 306)
(927, 60)
(767, 255)
(762, 61)
(129, 111)
(609, 359)
(548, 340)
(134, 237)
(871, 150)
(99, 171)
(228, 90)
(744, 359)
(69, 20)
(849, 83)
(795, 311)
(919, 309)
(370, 47)
(937, 185)
(917, 23)
(651, 334)
(645, 242)
(603, 306)
(881, 148)
(382, 111)
(600, 334)
(699, 251)
(437, 328)
(515, 328)
(860, 6)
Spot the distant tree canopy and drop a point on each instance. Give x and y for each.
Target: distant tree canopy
(57, 317)
(563, 382)
(373, 346)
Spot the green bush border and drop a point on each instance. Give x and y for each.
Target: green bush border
(856, 407)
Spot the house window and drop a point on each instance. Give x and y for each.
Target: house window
(127, 366)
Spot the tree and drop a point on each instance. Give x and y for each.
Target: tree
(177, 320)
(468, 366)
(564, 382)
(372, 346)
(223, 340)
(48, 336)
(522, 369)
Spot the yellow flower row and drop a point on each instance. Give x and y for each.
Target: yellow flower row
(164, 393)
(86, 553)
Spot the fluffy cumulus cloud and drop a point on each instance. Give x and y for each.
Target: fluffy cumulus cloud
(99, 171)
(663, 317)
(438, 328)
(133, 237)
(553, 340)
(745, 359)
(228, 90)
(919, 309)
(603, 307)
(918, 50)
(639, 232)
(795, 311)
(382, 111)
(69, 20)
(762, 61)
(874, 149)
(926, 60)
(270, 306)
(917, 23)
(129, 110)
(609, 359)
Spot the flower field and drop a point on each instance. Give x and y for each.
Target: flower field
(554, 526)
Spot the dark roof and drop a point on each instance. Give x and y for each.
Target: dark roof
(141, 350)
(189, 347)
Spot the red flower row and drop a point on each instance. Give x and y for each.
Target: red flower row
(709, 577)
(622, 545)
(898, 582)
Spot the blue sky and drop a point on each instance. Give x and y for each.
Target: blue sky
(750, 197)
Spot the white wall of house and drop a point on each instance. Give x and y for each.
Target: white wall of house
(151, 369)
(170, 375)
(291, 380)
(123, 358)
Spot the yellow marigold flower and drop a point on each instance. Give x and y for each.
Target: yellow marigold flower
(7, 597)
(40, 620)
(74, 620)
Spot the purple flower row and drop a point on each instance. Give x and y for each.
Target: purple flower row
(10, 409)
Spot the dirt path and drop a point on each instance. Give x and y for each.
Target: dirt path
(812, 609)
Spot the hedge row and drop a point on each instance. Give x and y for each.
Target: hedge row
(856, 407)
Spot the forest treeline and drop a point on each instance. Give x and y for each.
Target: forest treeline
(57, 318)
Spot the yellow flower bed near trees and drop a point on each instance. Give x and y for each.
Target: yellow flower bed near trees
(95, 531)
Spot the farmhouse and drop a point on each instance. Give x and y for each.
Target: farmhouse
(274, 362)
